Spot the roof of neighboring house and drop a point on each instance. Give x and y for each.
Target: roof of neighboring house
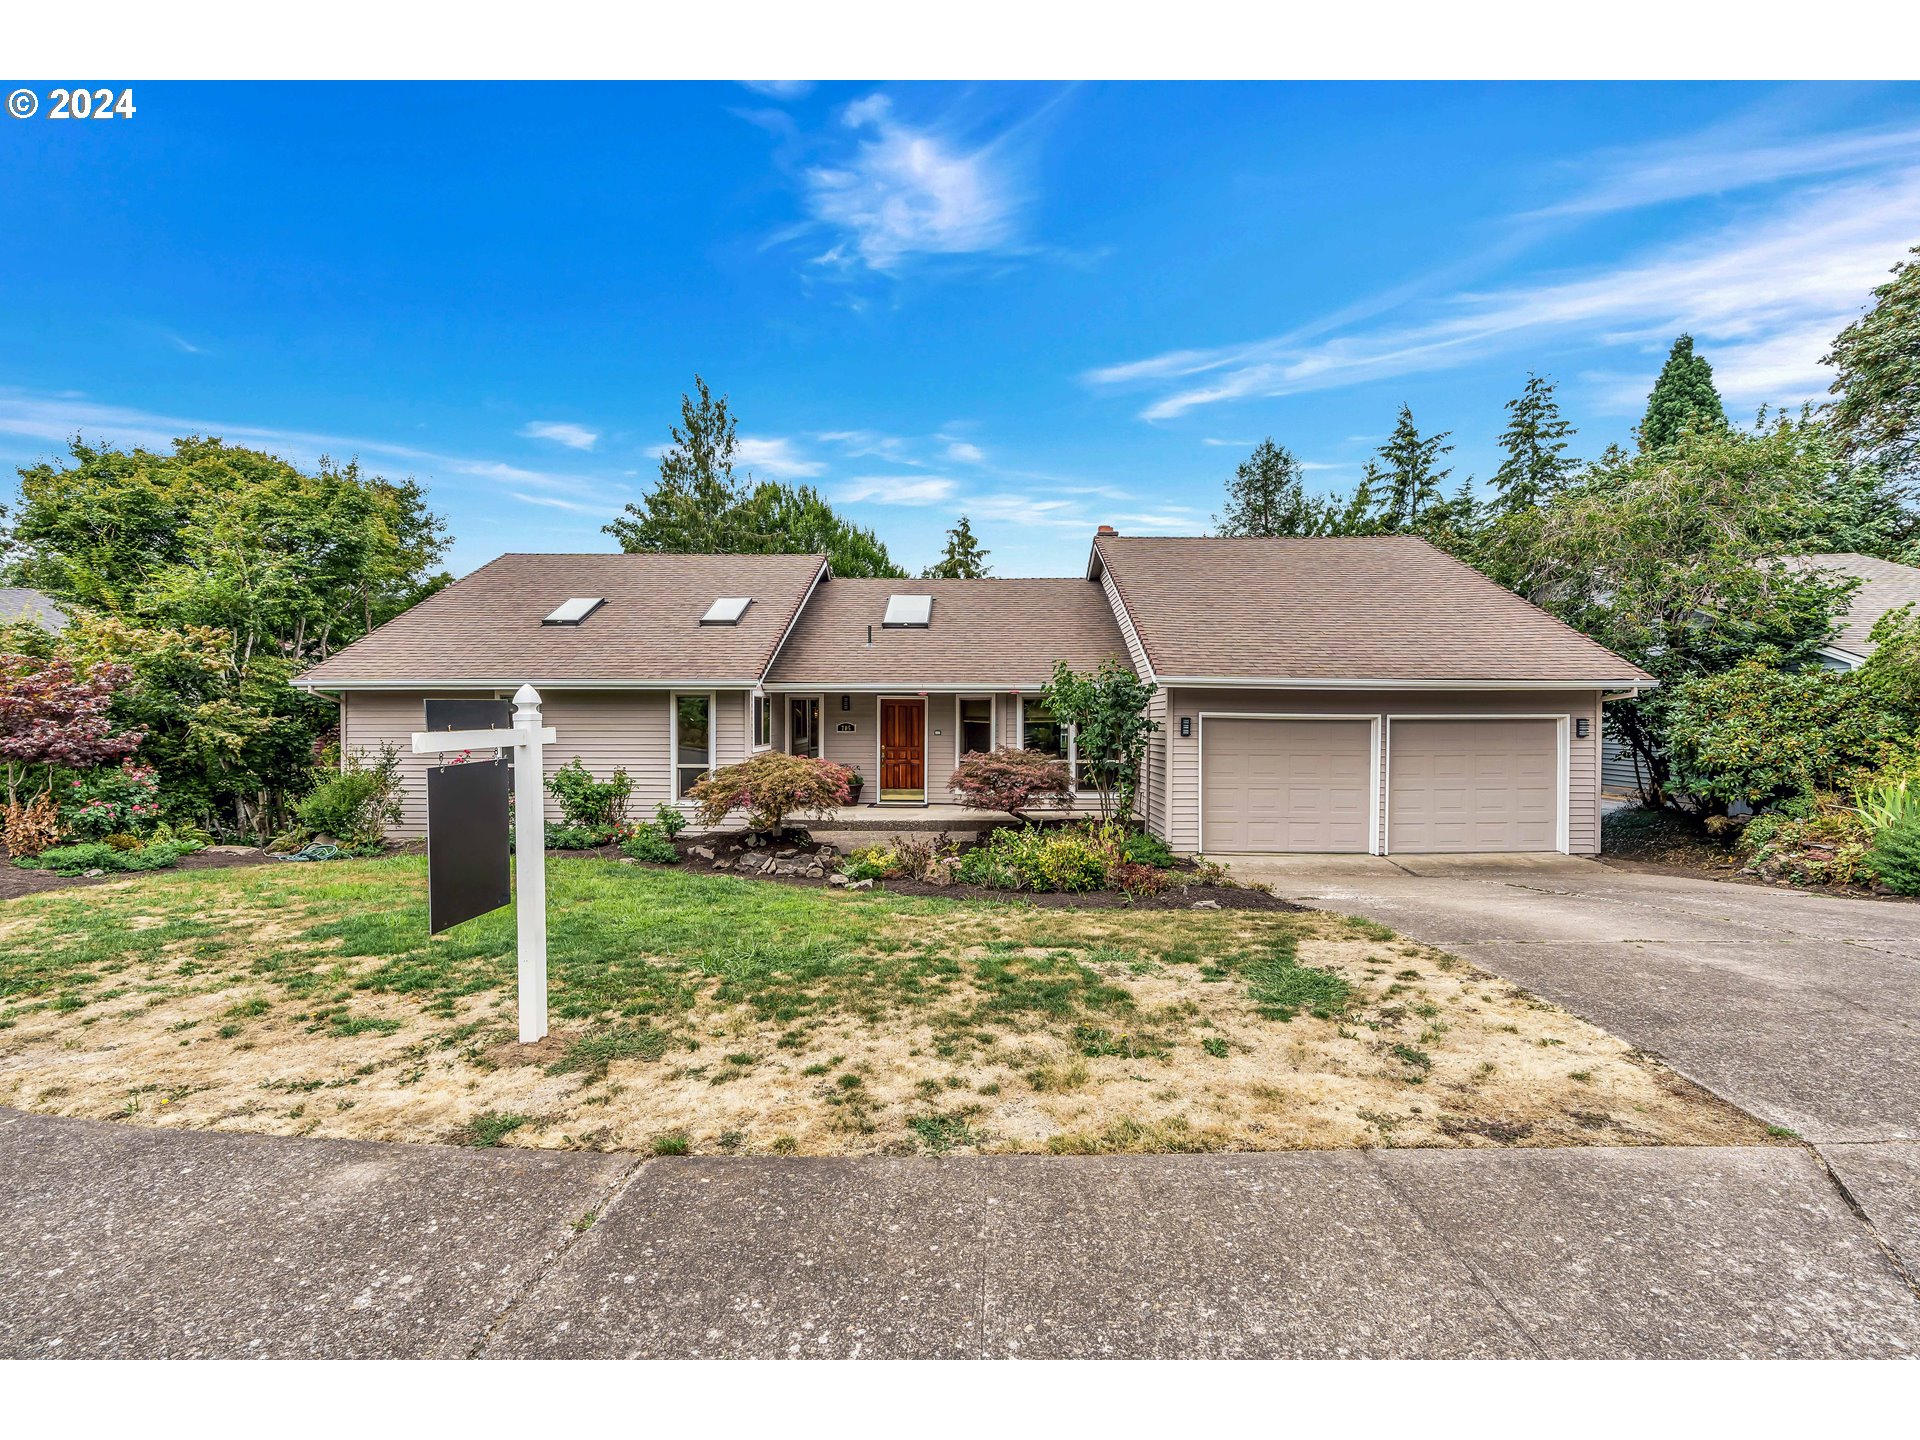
(485, 629)
(17, 605)
(1884, 585)
(998, 633)
(1338, 609)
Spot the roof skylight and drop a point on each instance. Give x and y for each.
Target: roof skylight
(727, 611)
(574, 611)
(908, 612)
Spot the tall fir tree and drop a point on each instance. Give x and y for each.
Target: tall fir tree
(1265, 496)
(1877, 365)
(700, 507)
(1407, 480)
(963, 559)
(1537, 466)
(1683, 395)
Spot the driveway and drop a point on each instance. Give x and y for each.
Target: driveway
(1803, 1009)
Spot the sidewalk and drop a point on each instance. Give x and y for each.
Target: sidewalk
(139, 1242)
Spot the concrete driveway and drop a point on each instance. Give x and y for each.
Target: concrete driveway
(1804, 1009)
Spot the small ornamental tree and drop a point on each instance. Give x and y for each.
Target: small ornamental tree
(771, 787)
(1108, 712)
(54, 714)
(1016, 781)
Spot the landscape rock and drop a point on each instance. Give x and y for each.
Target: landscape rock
(836, 879)
(866, 884)
(701, 852)
(1205, 905)
(93, 874)
(814, 872)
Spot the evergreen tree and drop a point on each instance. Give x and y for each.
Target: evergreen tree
(1408, 480)
(1877, 417)
(1265, 496)
(1682, 396)
(1536, 466)
(963, 558)
(700, 507)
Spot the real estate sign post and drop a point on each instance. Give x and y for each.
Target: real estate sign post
(463, 866)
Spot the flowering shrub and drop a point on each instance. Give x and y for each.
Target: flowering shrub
(1036, 859)
(1016, 781)
(770, 788)
(123, 800)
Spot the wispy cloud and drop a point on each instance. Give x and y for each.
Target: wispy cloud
(184, 345)
(574, 437)
(773, 457)
(555, 502)
(781, 89)
(965, 452)
(907, 190)
(1764, 293)
(897, 489)
(1723, 161)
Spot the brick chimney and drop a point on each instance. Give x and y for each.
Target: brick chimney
(1106, 530)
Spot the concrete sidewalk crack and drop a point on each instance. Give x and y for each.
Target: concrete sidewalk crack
(1480, 1281)
(613, 1195)
(1866, 1221)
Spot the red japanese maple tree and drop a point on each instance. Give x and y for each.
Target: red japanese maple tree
(54, 713)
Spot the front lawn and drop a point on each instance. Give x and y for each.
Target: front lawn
(715, 1014)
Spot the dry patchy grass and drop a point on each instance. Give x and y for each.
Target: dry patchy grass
(726, 1015)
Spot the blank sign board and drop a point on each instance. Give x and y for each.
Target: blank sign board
(468, 871)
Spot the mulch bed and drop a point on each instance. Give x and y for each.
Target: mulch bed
(1668, 845)
(15, 881)
(800, 852)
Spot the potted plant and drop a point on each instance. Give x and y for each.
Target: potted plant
(854, 786)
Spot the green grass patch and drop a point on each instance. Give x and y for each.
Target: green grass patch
(488, 1128)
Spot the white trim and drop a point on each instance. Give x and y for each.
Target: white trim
(785, 635)
(879, 729)
(1563, 730)
(1375, 777)
(1231, 682)
(1111, 589)
(673, 739)
(690, 686)
(1073, 746)
(1843, 657)
(993, 720)
(765, 703)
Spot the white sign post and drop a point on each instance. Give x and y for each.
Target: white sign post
(528, 738)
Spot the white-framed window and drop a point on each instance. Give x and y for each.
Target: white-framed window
(692, 739)
(762, 721)
(973, 724)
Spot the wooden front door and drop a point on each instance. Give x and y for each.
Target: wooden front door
(903, 759)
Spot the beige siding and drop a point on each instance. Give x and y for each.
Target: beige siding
(606, 730)
(1182, 826)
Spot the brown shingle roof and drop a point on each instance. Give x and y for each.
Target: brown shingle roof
(1884, 585)
(486, 627)
(983, 632)
(1339, 609)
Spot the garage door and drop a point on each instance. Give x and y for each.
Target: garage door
(1458, 786)
(1285, 785)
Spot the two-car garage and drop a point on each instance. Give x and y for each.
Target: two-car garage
(1344, 783)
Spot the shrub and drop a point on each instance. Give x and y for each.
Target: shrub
(870, 862)
(1810, 840)
(924, 858)
(1016, 781)
(1036, 859)
(1141, 848)
(579, 837)
(650, 843)
(1137, 879)
(1107, 709)
(32, 827)
(122, 799)
(356, 806)
(669, 820)
(78, 859)
(587, 803)
(1892, 816)
(770, 787)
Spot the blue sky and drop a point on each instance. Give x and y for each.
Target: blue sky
(1048, 306)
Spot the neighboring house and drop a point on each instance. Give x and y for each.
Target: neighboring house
(17, 605)
(1345, 695)
(1885, 586)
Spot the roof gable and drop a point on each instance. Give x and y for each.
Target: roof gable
(1885, 585)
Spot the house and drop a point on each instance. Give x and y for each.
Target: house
(31, 606)
(1330, 694)
(1885, 586)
